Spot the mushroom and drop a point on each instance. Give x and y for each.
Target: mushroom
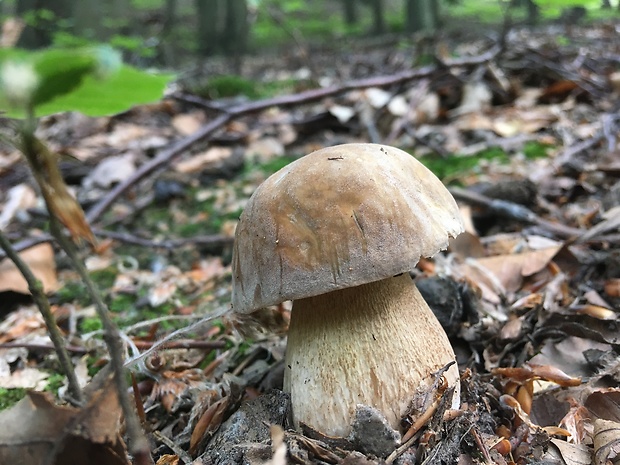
(337, 232)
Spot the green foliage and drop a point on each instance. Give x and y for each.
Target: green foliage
(455, 164)
(533, 150)
(9, 397)
(122, 302)
(55, 382)
(228, 86)
(90, 325)
(89, 79)
(72, 292)
(275, 164)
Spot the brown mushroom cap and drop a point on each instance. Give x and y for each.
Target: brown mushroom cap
(339, 217)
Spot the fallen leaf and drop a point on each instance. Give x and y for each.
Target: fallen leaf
(606, 442)
(86, 436)
(188, 123)
(40, 260)
(18, 199)
(573, 454)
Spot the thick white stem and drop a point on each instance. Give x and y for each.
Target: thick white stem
(375, 344)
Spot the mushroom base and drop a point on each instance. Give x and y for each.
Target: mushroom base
(377, 344)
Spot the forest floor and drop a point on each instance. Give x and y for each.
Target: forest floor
(523, 131)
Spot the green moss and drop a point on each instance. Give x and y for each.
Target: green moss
(275, 164)
(104, 278)
(226, 86)
(55, 382)
(453, 165)
(89, 325)
(122, 303)
(9, 397)
(534, 150)
(73, 292)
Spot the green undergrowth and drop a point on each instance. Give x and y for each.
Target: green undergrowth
(9, 397)
(444, 168)
(227, 86)
(450, 167)
(126, 308)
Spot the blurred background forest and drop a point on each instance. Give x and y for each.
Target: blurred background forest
(177, 34)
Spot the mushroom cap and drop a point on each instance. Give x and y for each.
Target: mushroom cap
(339, 217)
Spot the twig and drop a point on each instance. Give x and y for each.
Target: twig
(211, 240)
(184, 456)
(167, 156)
(36, 289)
(215, 240)
(31, 346)
(182, 344)
(443, 153)
(514, 211)
(138, 442)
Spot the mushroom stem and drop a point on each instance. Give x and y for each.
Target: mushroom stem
(377, 344)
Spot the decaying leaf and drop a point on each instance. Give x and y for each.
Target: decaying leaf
(606, 442)
(41, 261)
(573, 454)
(44, 165)
(42, 432)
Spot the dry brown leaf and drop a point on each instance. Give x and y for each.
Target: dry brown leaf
(188, 123)
(40, 260)
(201, 161)
(612, 287)
(26, 378)
(44, 165)
(573, 454)
(604, 404)
(510, 269)
(265, 149)
(208, 423)
(18, 199)
(606, 442)
(87, 436)
(111, 171)
(168, 459)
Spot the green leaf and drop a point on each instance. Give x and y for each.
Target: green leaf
(90, 80)
(118, 93)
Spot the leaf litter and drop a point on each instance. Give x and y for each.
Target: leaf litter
(532, 298)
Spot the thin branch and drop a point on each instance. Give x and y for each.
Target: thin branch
(138, 442)
(515, 211)
(214, 240)
(36, 289)
(167, 156)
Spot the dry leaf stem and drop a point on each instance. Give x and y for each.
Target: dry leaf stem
(45, 171)
(36, 289)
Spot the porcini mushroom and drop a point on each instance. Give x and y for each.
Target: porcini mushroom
(337, 232)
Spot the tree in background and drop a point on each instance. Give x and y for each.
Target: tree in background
(42, 19)
(351, 16)
(421, 15)
(222, 28)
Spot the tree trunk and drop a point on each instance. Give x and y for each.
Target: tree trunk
(350, 12)
(209, 24)
(377, 16)
(43, 21)
(236, 32)
(421, 15)
(87, 16)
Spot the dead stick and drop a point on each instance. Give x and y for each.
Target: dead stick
(167, 156)
(514, 211)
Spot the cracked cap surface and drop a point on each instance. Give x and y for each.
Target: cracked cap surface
(339, 217)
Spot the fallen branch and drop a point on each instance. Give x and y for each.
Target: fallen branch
(167, 156)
